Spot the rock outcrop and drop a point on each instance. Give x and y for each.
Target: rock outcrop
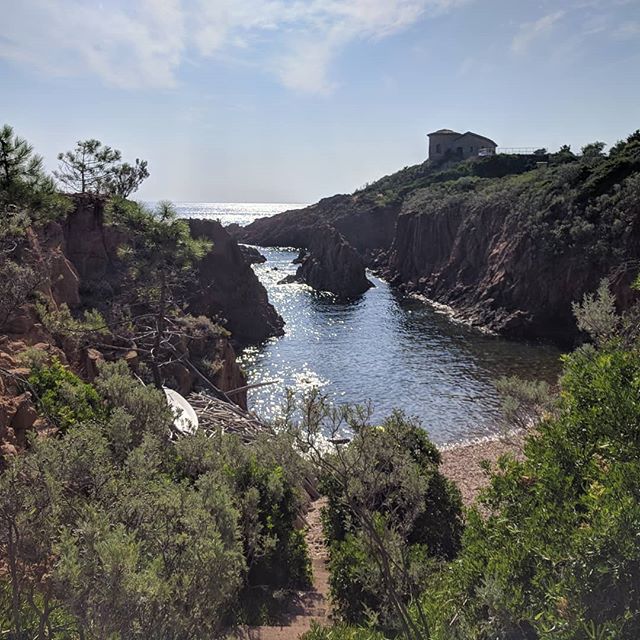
(339, 237)
(251, 254)
(229, 288)
(513, 257)
(366, 223)
(331, 264)
(507, 244)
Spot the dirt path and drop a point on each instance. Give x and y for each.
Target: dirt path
(309, 606)
(460, 463)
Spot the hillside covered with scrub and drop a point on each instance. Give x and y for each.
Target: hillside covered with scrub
(509, 242)
(116, 524)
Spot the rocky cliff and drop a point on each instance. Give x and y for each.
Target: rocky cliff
(228, 287)
(363, 220)
(340, 236)
(508, 244)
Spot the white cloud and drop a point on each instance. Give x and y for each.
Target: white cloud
(628, 31)
(143, 43)
(531, 31)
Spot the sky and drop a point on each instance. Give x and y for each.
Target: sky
(294, 100)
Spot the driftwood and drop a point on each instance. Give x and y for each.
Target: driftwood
(215, 416)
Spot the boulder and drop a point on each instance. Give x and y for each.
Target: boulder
(251, 254)
(331, 264)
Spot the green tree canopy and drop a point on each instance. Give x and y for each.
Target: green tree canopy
(594, 149)
(24, 185)
(95, 168)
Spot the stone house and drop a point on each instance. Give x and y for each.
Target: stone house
(447, 143)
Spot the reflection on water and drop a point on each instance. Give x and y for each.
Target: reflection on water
(241, 213)
(397, 352)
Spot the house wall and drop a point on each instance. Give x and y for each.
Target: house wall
(470, 144)
(444, 142)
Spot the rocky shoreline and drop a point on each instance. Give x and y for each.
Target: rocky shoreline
(506, 244)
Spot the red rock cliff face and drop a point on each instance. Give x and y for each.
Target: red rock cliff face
(342, 235)
(365, 225)
(228, 287)
(494, 274)
(508, 244)
(332, 264)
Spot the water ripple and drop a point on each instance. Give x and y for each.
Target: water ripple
(398, 352)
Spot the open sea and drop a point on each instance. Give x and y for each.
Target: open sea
(395, 351)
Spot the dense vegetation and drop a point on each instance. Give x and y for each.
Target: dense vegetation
(552, 550)
(109, 530)
(386, 495)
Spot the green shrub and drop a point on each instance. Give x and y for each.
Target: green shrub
(17, 284)
(113, 531)
(558, 556)
(63, 397)
(390, 498)
(264, 480)
(60, 322)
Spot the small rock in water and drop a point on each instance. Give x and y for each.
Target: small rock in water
(290, 279)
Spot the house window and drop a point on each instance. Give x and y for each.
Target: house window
(471, 149)
(438, 149)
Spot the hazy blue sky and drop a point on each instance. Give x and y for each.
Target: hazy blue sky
(292, 100)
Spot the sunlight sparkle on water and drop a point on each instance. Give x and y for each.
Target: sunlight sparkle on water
(398, 352)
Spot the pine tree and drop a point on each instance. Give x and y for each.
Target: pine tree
(124, 179)
(88, 168)
(23, 182)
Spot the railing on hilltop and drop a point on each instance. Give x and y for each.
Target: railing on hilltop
(528, 151)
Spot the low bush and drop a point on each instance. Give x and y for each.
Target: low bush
(341, 632)
(391, 517)
(558, 555)
(110, 530)
(63, 397)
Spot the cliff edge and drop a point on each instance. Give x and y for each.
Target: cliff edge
(508, 242)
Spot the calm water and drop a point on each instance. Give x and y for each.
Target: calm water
(393, 350)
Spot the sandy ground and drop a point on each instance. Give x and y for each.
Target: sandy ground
(461, 462)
